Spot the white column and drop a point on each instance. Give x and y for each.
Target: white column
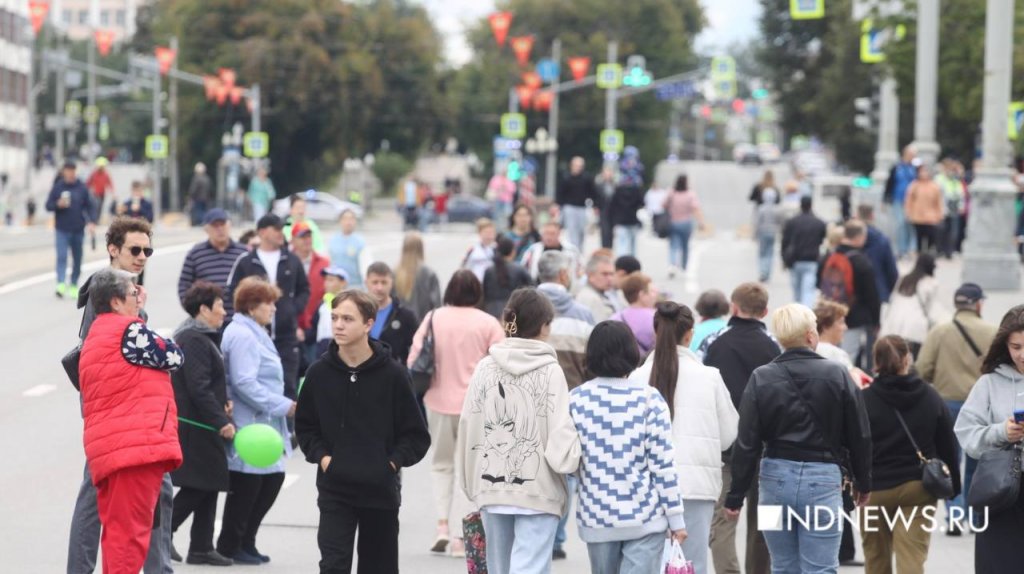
(926, 85)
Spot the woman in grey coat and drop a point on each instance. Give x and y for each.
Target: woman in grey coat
(986, 423)
(415, 283)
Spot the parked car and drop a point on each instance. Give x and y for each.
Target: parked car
(468, 208)
(746, 154)
(320, 206)
(769, 152)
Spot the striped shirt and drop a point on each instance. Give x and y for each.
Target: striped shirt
(205, 262)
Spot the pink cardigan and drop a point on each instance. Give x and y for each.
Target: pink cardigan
(462, 336)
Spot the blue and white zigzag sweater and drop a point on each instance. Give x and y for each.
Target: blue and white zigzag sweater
(628, 483)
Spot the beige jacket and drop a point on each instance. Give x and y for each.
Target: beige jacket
(924, 203)
(946, 359)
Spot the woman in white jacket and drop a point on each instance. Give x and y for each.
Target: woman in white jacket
(914, 305)
(704, 421)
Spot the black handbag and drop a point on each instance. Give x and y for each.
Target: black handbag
(662, 223)
(70, 363)
(422, 370)
(935, 476)
(996, 482)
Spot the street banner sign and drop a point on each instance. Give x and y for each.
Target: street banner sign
(157, 147)
(73, 109)
(548, 70)
(37, 11)
(612, 141)
(806, 9)
(91, 115)
(256, 144)
(609, 76)
(676, 91)
(513, 126)
(1015, 120)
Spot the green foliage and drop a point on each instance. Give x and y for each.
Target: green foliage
(390, 168)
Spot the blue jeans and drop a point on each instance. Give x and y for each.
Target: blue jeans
(969, 465)
(73, 240)
(625, 239)
(805, 489)
(574, 220)
(639, 556)
(765, 253)
(698, 515)
(679, 243)
(519, 543)
(560, 535)
(804, 275)
(906, 240)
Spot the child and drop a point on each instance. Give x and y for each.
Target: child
(481, 255)
(335, 281)
(636, 459)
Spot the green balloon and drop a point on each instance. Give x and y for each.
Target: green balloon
(259, 445)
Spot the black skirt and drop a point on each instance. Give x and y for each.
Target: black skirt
(1000, 543)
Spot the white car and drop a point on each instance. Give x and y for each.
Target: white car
(320, 206)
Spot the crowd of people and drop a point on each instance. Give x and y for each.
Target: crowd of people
(553, 374)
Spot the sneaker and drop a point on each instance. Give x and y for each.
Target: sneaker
(458, 548)
(62, 288)
(174, 554)
(441, 542)
(243, 557)
(213, 558)
(73, 291)
(558, 554)
(263, 557)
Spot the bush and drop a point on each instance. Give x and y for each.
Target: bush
(390, 168)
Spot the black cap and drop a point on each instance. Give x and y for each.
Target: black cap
(270, 220)
(968, 294)
(70, 164)
(215, 214)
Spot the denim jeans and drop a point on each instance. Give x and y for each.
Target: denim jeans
(906, 241)
(765, 253)
(679, 243)
(574, 220)
(69, 240)
(698, 515)
(625, 239)
(804, 276)
(560, 535)
(806, 489)
(519, 543)
(969, 465)
(639, 556)
(950, 232)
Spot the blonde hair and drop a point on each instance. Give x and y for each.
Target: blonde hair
(409, 265)
(483, 223)
(834, 235)
(791, 323)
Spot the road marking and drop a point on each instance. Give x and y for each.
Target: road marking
(289, 479)
(39, 390)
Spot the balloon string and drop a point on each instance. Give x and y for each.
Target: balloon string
(197, 424)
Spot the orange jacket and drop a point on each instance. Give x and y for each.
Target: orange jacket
(923, 204)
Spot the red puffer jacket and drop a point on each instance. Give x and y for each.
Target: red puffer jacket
(130, 415)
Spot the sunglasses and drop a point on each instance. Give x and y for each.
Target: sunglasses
(136, 250)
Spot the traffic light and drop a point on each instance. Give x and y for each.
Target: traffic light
(515, 171)
(862, 182)
(759, 94)
(636, 77)
(867, 114)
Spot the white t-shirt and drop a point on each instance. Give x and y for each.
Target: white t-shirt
(270, 259)
(834, 353)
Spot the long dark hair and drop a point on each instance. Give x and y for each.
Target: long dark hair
(923, 267)
(682, 184)
(505, 248)
(998, 353)
(671, 322)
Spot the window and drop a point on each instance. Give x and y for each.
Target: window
(120, 18)
(6, 25)
(66, 16)
(105, 17)
(83, 17)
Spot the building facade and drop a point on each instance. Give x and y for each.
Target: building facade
(15, 67)
(74, 19)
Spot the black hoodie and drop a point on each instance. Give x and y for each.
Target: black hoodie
(363, 417)
(894, 461)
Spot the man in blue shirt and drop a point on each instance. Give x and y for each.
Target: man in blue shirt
(395, 325)
(900, 178)
(75, 213)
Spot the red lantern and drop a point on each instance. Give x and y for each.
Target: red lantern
(165, 58)
(37, 11)
(542, 100)
(525, 94)
(522, 46)
(104, 40)
(221, 93)
(500, 23)
(532, 79)
(579, 67)
(236, 94)
(227, 77)
(210, 84)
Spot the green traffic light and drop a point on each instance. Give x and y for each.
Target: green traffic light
(862, 182)
(759, 94)
(514, 171)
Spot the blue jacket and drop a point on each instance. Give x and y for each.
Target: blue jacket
(255, 386)
(900, 177)
(71, 219)
(879, 251)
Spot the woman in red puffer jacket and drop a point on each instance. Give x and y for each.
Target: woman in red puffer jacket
(131, 422)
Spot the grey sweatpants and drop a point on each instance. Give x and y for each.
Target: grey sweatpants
(84, 541)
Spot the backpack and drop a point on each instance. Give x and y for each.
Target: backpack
(837, 279)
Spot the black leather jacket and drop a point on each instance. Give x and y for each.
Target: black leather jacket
(804, 408)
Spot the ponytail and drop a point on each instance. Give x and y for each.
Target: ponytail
(671, 323)
(504, 248)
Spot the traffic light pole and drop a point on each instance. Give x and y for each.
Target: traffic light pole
(610, 101)
(550, 165)
(887, 153)
(157, 199)
(174, 188)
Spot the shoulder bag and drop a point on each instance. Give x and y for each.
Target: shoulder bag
(422, 370)
(996, 482)
(935, 476)
(970, 341)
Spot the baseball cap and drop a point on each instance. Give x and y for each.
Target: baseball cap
(335, 271)
(968, 294)
(215, 214)
(70, 164)
(269, 220)
(301, 229)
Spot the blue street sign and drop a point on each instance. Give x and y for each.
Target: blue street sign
(548, 70)
(675, 91)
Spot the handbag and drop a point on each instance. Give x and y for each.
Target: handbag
(476, 543)
(935, 476)
(662, 223)
(996, 482)
(70, 363)
(421, 371)
(677, 562)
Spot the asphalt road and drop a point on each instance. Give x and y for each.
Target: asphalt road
(40, 420)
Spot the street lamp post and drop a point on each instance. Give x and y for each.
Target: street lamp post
(543, 144)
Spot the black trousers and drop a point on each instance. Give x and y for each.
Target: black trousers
(998, 546)
(289, 351)
(607, 229)
(249, 500)
(378, 538)
(202, 505)
(927, 238)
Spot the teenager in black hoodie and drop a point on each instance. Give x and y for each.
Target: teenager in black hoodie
(358, 421)
(895, 467)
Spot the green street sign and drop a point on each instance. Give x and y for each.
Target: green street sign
(612, 141)
(91, 115)
(104, 129)
(73, 109)
(256, 144)
(513, 126)
(609, 76)
(157, 147)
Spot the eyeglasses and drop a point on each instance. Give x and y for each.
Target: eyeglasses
(136, 250)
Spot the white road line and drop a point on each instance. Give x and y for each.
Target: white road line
(39, 390)
(290, 479)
